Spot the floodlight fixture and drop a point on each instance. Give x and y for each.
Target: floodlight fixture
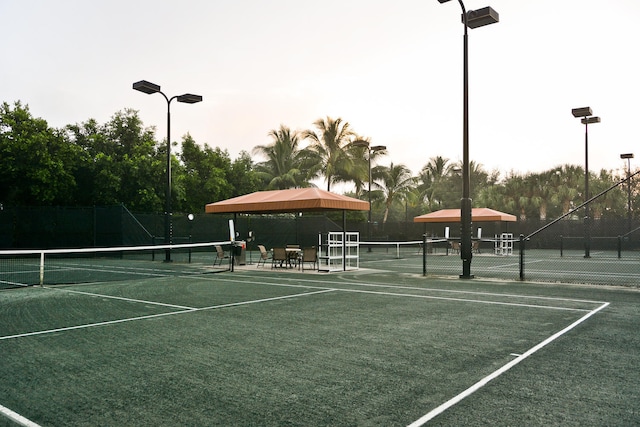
(589, 120)
(146, 87)
(481, 17)
(582, 112)
(189, 98)
(360, 143)
(378, 148)
(626, 156)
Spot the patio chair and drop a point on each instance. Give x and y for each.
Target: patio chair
(279, 256)
(475, 246)
(455, 247)
(220, 255)
(264, 255)
(309, 255)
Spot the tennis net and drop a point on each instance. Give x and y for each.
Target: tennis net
(86, 265)
(400, 249)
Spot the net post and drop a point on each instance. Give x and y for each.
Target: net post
(42, 268)
(424, 254)
(619, 246)
(561, 242)
(521, 257)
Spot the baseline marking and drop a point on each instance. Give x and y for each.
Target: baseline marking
(477, 386)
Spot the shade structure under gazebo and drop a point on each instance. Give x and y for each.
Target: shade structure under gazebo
(291, 200)
(477, 215)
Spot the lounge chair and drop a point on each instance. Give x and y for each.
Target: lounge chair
(264, 255)
(309, 255)
(220, 255)
(279, 256)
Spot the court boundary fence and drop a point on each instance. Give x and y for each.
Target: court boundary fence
(523, 239)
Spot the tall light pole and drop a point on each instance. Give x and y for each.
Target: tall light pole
(187, 98)
(585, 112)
(471, 19)
(371, 150)
(628, 156)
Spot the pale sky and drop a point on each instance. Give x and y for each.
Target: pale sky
(392, 69)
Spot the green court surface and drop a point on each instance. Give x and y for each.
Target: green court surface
(371, 347)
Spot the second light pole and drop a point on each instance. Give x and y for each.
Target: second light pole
(371, 150)
(585, 113)
(188, 98)
(628, 156)
(472, 19)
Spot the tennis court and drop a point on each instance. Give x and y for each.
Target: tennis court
(604, 267)
(379, 346)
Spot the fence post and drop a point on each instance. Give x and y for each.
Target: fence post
(521, 256)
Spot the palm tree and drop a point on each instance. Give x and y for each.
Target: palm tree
(397, 181)
(285, 164)
(432, 178)
(359, 170)
(329, 147)
(568, 178)
(480, 178)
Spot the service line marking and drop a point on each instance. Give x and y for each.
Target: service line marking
(152, 316)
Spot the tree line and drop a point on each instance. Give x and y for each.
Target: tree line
(121, 162)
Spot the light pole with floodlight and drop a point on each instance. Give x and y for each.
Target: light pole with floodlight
(471, 19)
(628, 156)
(187, 98)
(587, 118)
(371, 150)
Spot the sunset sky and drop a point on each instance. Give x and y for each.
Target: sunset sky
(392, 69)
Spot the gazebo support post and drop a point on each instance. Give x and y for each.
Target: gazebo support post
(344, 240)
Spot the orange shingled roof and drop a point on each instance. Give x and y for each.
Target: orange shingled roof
(292, 200)
(477, 215)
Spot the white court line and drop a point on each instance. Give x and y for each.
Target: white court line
(477, 386)
(235, 304)
(377, 285)
(91, 325)
(513, 264)
(20, 420)
(152, 316)
(513, 304)
(17, 418)
(109, 269)
(122, 298)
(395, 294)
